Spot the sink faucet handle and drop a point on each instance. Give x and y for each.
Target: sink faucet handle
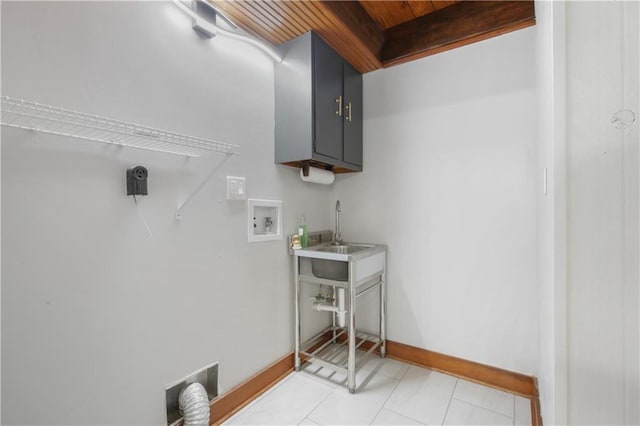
(338, 205)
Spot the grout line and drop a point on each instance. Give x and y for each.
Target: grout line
(514, 410)
(394, 389)
(484, 408)
(388, 396)
(403, 415)
(446, 413)
(407, 370)
(335, 389)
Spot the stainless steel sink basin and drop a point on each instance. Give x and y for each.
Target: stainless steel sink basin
(344, 249)
(331, 269)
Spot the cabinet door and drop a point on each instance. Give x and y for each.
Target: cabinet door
(352, 150)
(327, 79)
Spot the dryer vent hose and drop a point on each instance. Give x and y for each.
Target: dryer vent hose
(194, 405)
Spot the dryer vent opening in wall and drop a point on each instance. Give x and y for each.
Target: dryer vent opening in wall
(207, 377)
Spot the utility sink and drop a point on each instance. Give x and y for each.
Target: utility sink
(345, 248)
(330, 269)
(331, 262)
(346, 271)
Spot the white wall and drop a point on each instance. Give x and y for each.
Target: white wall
(551, 217)
(546, 317)
(602, 164)
(449, 185)
(97, 317)
(588, 223)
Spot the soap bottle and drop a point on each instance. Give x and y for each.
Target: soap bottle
(302, 231)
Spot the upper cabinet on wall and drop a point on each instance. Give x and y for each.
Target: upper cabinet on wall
(318, 107)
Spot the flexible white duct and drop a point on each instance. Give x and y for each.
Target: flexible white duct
(194, 405)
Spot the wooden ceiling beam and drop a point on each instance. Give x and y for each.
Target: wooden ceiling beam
(460, 24)
(388, 14)
(357, 29)
(350, 29)
(325, 24)
(420, 7)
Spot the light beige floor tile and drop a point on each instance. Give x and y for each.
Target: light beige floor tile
(423, 395)
(343, 408)
(318, 396)
(485, 397)
(463, 413)
(388, 417)
(523, 411)
(287, 404)
(388, 367)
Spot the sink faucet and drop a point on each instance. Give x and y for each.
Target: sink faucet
(337, 240)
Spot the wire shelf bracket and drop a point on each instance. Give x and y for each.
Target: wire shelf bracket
(179, 212)
(38, 117)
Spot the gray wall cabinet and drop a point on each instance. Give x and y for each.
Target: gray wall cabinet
(318, 107)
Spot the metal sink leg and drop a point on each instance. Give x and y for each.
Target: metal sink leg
(351, 362)
(383, 321)
(296, 271)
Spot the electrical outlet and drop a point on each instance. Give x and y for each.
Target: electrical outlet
(137, 181)
(236, 188)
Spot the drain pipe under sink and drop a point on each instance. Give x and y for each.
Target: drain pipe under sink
(340, 309)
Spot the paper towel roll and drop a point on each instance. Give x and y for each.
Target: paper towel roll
(316, 175)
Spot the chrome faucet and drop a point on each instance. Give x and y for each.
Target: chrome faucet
(337, 240)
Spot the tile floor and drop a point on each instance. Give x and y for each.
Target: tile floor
(389, 393)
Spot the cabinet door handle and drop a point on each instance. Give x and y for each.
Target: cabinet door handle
(339, 102)
(348, 108)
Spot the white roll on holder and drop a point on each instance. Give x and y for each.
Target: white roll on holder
(316, 175)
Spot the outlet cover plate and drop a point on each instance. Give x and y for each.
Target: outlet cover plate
(236, 188)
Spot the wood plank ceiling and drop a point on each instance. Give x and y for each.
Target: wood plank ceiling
(376, 34)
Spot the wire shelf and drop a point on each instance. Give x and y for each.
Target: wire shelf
(64, 122)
